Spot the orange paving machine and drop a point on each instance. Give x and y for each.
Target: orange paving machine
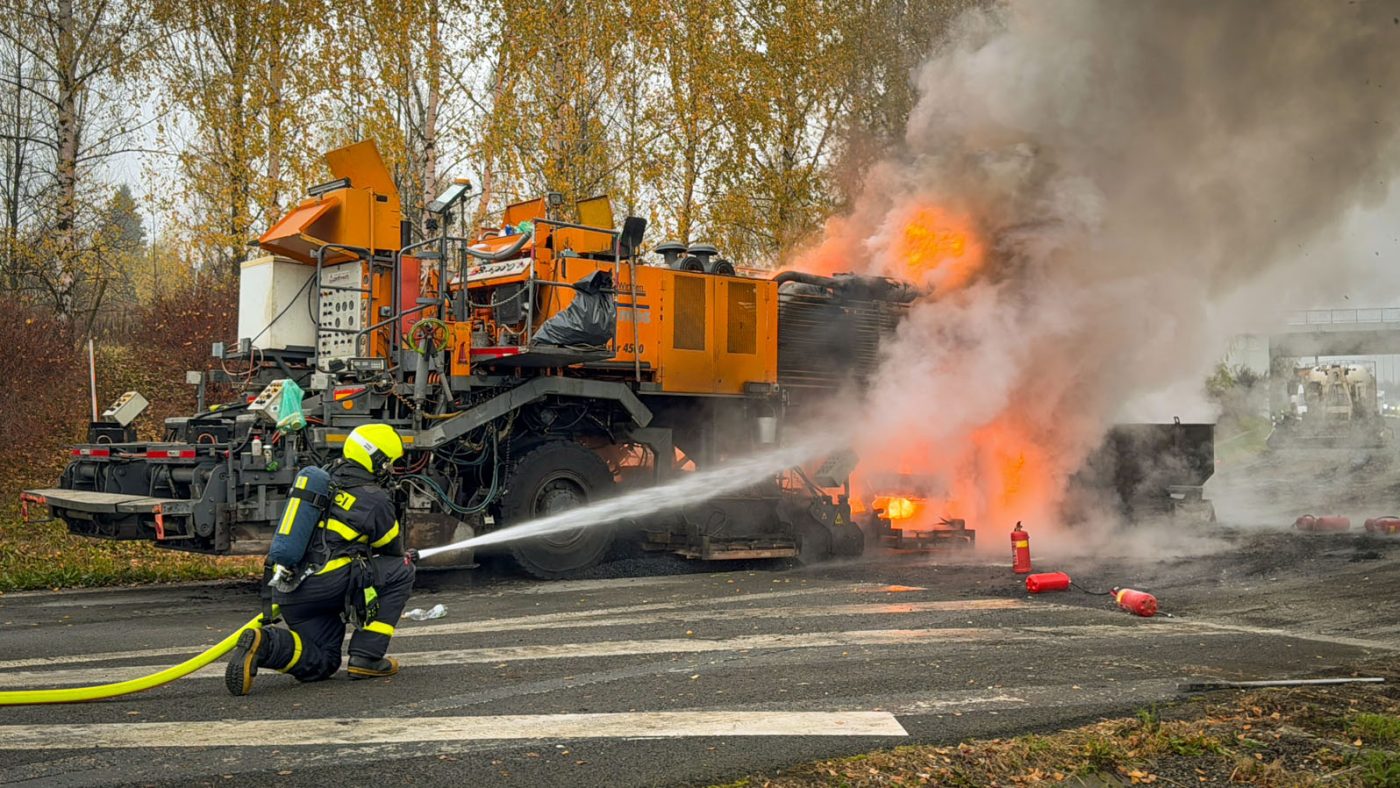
(532, 366)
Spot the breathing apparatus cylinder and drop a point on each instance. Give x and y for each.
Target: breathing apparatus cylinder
(306, 505)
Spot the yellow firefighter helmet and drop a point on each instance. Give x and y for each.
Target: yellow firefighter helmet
(373, 446)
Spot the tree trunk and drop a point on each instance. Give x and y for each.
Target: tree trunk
(242, 186)
(14, 179)
(685, 221)
(430, 114)
(491, 147)
(276, 77)
(69, 131)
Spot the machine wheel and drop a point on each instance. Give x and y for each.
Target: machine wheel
(549, 479)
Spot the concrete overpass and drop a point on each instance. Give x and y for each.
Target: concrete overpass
(1338, 332)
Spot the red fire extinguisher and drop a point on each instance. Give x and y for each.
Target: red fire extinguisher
(1047, 581)
(1383, 525)
(1020, 550)
(1139, 603)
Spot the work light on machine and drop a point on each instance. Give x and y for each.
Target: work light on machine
(451, 196)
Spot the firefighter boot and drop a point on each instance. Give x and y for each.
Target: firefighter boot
(243, 662)
(366, 668)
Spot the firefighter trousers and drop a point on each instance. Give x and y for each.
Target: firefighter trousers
(310, 649)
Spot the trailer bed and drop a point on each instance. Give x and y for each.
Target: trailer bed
(105, 503)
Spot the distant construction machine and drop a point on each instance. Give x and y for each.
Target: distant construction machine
(1331, 406)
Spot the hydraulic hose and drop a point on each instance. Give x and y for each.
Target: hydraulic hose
(101, 691)
(503, 254)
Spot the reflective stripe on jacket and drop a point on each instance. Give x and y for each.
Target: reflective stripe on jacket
(360, 521)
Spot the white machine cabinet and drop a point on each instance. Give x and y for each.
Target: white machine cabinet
(266, 289)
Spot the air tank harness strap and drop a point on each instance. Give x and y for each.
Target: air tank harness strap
(269, 610)
(315, 499)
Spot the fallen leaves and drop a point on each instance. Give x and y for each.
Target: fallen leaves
(1189, 745)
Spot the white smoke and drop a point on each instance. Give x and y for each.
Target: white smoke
(1143, 178)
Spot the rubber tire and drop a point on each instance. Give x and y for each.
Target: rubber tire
(541, 482)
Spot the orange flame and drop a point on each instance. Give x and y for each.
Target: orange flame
(938, 246)
(994, 474)
(928, 245)
(991, 477)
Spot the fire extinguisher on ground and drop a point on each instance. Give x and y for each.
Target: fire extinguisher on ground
(1020, 550)
(1139, 603)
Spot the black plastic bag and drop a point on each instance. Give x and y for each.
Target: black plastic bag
(591, 320)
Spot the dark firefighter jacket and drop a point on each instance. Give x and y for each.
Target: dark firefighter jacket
(360, 521)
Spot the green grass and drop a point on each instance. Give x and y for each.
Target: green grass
(1194, 745)
(1377, 768)
(1099, 754)
(1150, 718)
(44, 555)
(1375, 729)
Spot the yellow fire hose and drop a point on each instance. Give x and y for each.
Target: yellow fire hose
(101, 691)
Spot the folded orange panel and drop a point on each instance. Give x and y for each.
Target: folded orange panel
(290, 236)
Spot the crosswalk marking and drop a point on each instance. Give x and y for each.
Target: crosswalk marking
(622, 648)
(354, 731)
(573, 615)
(666, 612)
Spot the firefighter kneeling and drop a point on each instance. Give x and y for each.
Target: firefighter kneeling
(337, 557)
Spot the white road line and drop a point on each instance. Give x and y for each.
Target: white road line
(684, 611)
(1316, 637)
(623, 648)
(614, 584)
(573, 615)
(350, 732)
(684, 616)
(104, 656)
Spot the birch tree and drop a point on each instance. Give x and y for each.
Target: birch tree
(412, 81)
(239, 82)
(73, 69)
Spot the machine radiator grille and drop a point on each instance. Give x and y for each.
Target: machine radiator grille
(823, 340)
(690, 313)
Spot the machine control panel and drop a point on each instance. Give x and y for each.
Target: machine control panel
(344, 310)
(125, 410)
(501, 270)
(268, 403)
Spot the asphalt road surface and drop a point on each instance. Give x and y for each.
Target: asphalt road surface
(664, 680)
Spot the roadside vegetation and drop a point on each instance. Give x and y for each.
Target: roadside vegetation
(1343, 736)
(44, 405)
(43, 555)
(1243, 427)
